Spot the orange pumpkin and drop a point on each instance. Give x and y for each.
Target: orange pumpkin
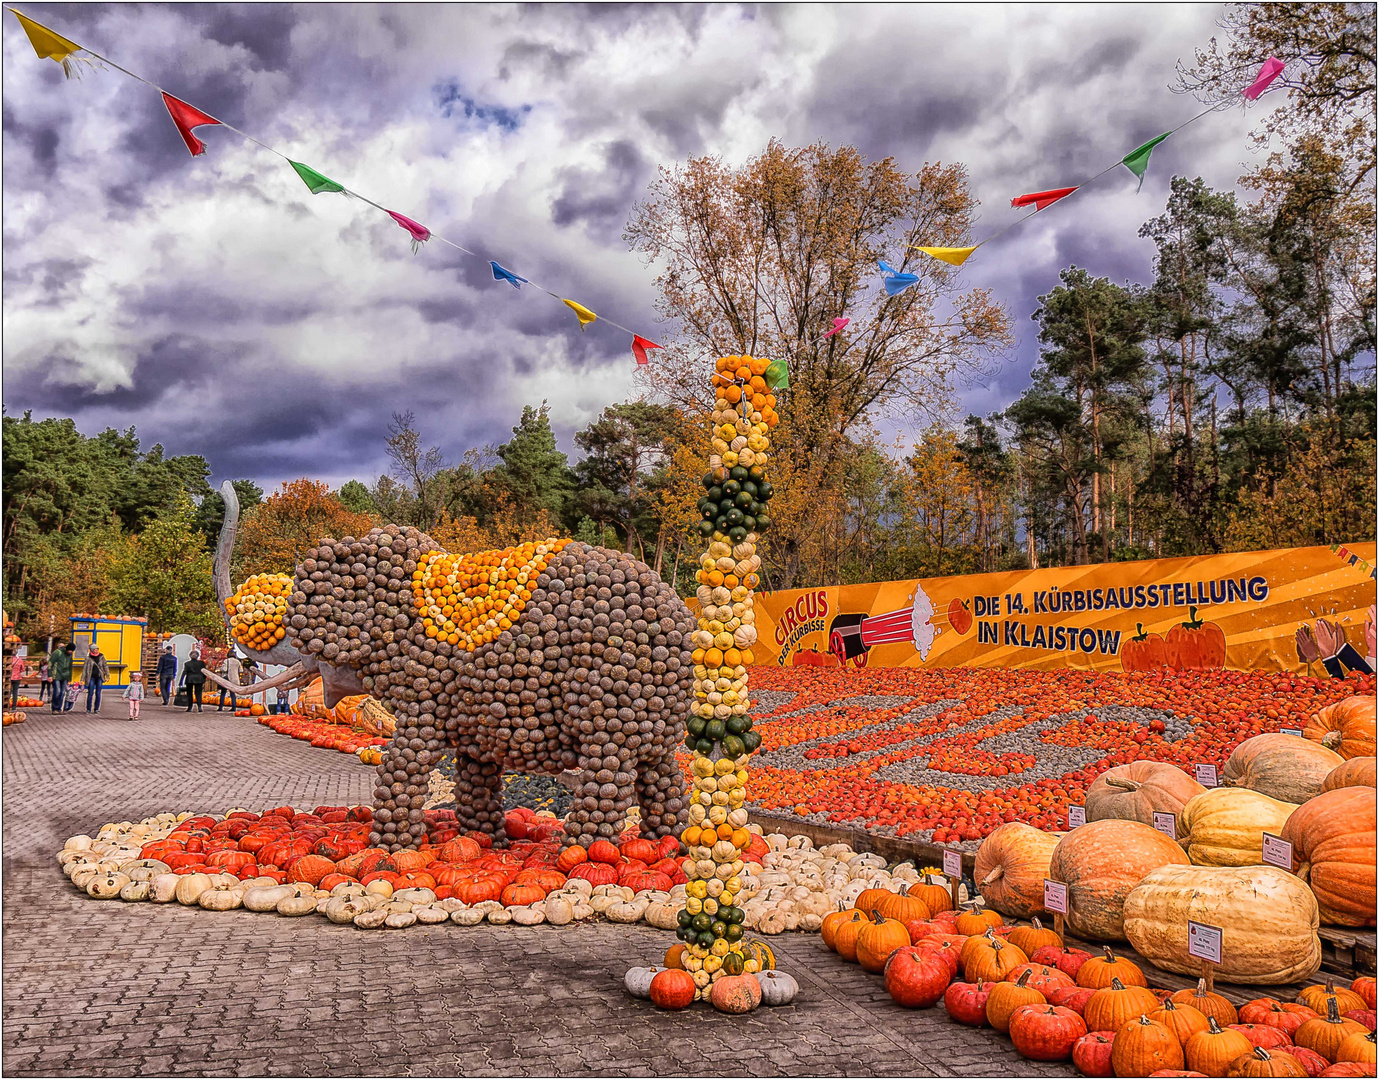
(1099, 971)
(1036, 936)
(1357, 1048)
(1212, 1051)
(310, 869)
(672, 989)
(902, 907)
(1259, 1062)
(1183, 1020)
(1195, 645)
(675, 956)
(735, 993)
(991, 960)
(1356, 772)
(1333, 838)
(1270, 1012)
(1011, 866)
(1006, 997)
(1114, 1006)
(1316, 998)
(1209, 1003)
(1143, 651)
(845, 936)
(1143, 1047)
(1346, 727)
(934, 892)
(877, 940)
(975, 920)
(868, 899)
(1135, 791)
(831, 923)
(1100, 863)
(1327, 1033)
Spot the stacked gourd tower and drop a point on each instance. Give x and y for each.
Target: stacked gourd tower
(719, 730)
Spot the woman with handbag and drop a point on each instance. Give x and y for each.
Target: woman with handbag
(194, 678)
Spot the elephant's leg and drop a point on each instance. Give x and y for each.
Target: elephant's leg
(479, 796)
(604, 789)
(398, 797)
(660, 796)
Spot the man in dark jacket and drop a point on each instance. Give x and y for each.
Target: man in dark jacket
(60, 671)
(96, 671)
(167, 672)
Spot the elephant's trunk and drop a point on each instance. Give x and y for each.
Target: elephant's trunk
(296, 675)
(224, 547)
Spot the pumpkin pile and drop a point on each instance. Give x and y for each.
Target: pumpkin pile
(14, 718)
(328, 735)
(257, 610)
(29, 702)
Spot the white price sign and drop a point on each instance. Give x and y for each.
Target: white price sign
(1167, 823)
(952, 863)
(1204, 942)
(1290, 731)
(1055, 897)
(1278, 852)
(1077, 815)
(1206, 775)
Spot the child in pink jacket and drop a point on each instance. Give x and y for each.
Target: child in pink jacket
(134, 693)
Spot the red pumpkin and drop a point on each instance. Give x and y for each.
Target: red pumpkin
(966, 1002)
(1045, 1032)
(602, 851)
(917, 977)
(596, 873)
(1041, 977)
(1092, 1053)
(1349, 1068)
(522, 895)
(1269, 1012)
(672, 989)
(1361, 1016)
(1364, 986)
(947, 949)
(1068, 961)
(1310, 1060)
(1263, 1035)
(642, 850)
(1196, 645)
(1071, 997)
(310, 869)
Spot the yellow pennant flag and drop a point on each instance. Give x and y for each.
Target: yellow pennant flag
(582, 313)
(956, 256)
(47, 43)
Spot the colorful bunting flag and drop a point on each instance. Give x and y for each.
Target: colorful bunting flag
(1041, 199)
(314, 180)
(777, 375)
(955, 255)
(500, 274)
(639, 347)
(1270, 70)
(1137, 161)
(582, 313)
(49, 44)
(419, 232)
(894, 281)
(838, 324)
(187, 117)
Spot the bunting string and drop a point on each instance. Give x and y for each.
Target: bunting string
(49, 44)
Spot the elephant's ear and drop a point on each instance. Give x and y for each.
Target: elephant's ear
(338, 683)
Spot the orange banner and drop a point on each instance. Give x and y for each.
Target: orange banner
(1296, 609)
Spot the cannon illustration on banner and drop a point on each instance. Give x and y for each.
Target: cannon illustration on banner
(852, 636)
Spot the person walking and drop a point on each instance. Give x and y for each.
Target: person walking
(167, 672)
(194, 678)
(134, 693)
(60, 668)
(230, 670)
(95, 672)
(16, 673)
(45, 685)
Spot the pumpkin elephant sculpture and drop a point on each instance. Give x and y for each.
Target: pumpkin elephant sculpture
(542, 658)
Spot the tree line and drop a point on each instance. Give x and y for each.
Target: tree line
(1227, 403)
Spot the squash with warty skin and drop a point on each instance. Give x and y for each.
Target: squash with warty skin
(1280, 949)
(1226, 826)
(1283, 767)
(1137, 790)
(1333, 838)
(1011, 866)
(1100, 863)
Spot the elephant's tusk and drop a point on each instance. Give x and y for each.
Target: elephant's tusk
(288, 678)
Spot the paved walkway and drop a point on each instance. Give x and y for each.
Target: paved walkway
(120, 989)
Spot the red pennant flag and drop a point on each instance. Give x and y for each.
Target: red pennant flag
(1041, 199)
(187, 117)
(639, 347)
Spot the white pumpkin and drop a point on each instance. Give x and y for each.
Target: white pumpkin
(467, 917)
(219, 898)
(296, 906)
(777, 988)
(430, 915)
(530, 915)
(370, 920)
(638, 981)
(266, 898)
(165, 888)
(559, 910)
(191, 886)
(137, 890)
(399, 920)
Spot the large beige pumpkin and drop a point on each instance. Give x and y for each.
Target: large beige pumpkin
(1226, 826)
(1283, 767)
(1100, 863)
(1135, 791)
(1011, 866)
(1267, 915)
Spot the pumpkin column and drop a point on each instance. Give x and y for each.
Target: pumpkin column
(719, 730)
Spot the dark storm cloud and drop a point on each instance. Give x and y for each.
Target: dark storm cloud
(222, 310)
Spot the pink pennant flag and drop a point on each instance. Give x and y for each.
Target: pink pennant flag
(1041, 199)
(187, 117)
(1271, 69)
(639, 347)
(838, 324)
(420, 233)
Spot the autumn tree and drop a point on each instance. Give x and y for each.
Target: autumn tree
(165, 573)
(273, 535)
(417, 469)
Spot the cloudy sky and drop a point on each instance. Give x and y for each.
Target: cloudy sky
(223, 310)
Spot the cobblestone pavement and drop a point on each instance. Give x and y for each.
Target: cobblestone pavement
(114, 989)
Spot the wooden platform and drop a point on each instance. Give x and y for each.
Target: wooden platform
(1346, 953)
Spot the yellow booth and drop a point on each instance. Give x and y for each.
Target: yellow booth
(120, 639)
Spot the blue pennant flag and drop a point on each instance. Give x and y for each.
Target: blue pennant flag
(895, 281)
(499, 274)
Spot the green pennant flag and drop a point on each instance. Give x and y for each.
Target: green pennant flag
(1137, 161)
(314, 180)
(777, 376)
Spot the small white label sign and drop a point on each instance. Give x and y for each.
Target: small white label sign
(1077, 815)
(1055, 897)
(1206, 775)
(1290, 731)
(1278, 852)
(952, 863)
(1167, 823)
(1204, 942)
